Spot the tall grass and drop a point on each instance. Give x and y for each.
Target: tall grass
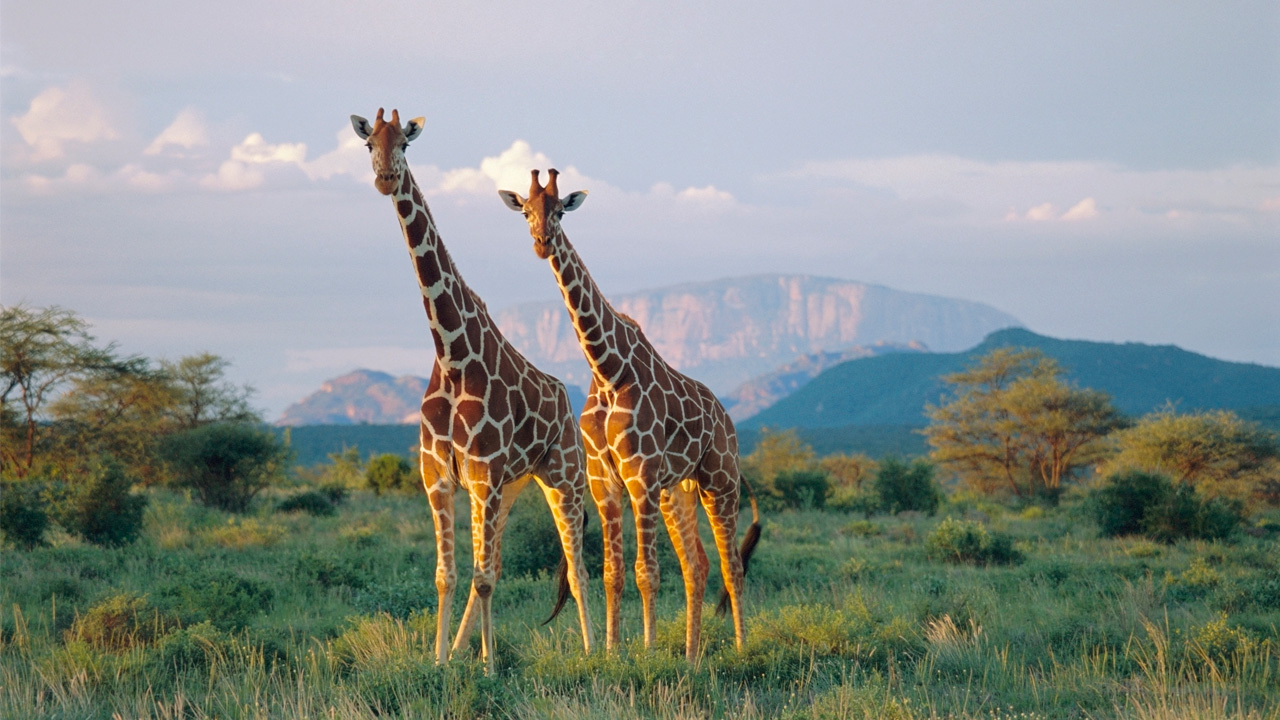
(333, 616)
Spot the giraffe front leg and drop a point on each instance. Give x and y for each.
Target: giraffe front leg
(467, 625)
(679, 511)
(645, 507)
(440, 496)
(608, 498)
(486, 503)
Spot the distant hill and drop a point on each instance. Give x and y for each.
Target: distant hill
(894, 389)
(728, 331)
(760, 392)
(369, 397)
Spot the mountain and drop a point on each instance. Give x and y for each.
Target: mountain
(760, 392)
(894, 389)
(728, 331)
(361, 396)
(369, 397)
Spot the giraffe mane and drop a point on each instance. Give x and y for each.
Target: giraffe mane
(477, 300)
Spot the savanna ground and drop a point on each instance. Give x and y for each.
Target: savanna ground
(294, 615)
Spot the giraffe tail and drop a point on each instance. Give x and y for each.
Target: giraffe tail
(749, 542)
(562, 577)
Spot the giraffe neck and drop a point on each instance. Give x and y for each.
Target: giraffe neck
(449, 303)
(602, 334)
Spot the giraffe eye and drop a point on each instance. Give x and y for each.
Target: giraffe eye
(404, 146)
(369, 145)
(525, 213)
(559, 214)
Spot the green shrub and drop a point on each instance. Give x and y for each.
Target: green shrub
(398, 598)
(120, 622)
(191, 649)
(1135, 502)
(99, 505)
(388, 472)
(966, 541)
(803, 489)
(312, 502)
(904, 487)
(23, 519)
(226, 464)
(326, 572)
(222, 598)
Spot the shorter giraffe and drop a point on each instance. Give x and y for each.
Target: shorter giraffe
(651, 432)
(491, 421)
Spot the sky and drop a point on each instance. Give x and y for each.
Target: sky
(185, 178)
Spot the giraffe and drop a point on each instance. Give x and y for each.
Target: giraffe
(491, 421)
(649, 431)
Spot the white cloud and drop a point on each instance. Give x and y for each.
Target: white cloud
(1086, 209)
(187, 131)
(138, 178)
(233, 175)
(1042, 213)
(509, 170)
(60, 115)
(349, 158)
(256, 150)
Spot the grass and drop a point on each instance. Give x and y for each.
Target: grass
(293, 615)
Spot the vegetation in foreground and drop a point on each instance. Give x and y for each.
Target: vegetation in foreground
(978, 612)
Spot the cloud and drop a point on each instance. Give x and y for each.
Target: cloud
(62, 115)
(349, 158)
(81, 178)
(242, 171)
(187, 131)
(1042, 213)
(1086, 209)
(509, 170)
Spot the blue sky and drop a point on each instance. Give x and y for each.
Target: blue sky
(183, 175)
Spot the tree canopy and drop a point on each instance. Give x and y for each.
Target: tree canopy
(1012, 425)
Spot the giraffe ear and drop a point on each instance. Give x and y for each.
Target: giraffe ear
(361, 126)
(414, 128)
(513, 201)
(574, 201)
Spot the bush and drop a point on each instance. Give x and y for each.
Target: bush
(225, 464)
(221, 598)
(119, 622)
(99, 507)
(388, 472)
(966, 541)
(23, 519)
(1135, 502)
(803, 489)
(312, 502)
(904, 487)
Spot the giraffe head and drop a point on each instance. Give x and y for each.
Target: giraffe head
(386, 142)
(543, 210)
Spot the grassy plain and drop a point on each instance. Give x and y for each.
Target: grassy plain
(289, 615)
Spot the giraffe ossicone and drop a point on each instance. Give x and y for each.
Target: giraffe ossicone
(651, 433)
(491, 421)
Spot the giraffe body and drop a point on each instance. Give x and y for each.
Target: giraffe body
(651, 434)
(491, 421)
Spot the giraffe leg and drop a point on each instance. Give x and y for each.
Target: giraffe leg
(486, 502)
(440, 489)
(607, 493)
(720, 494)
(568, 512)
(679, 511)
(645, 506)
(467, 626)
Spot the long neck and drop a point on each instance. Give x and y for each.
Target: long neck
(608, 341)
(449, 303)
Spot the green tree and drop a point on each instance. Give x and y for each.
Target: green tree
(226, 464)
(1216, 452)
(1012, 425)
(901, 486)
(776, 452)
(388, 472)
(202, 395)
(849, 476)
(41, 351)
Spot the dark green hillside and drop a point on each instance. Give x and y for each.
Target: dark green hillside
(893, 389)
(312, 444)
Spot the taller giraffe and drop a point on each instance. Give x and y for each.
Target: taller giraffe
(490, 419)
(648, 429)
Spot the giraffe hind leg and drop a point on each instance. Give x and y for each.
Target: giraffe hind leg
(679, 511)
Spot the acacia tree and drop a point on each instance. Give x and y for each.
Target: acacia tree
(1012, 425)
(1219, 454)
(202, 395)
(41, 351)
